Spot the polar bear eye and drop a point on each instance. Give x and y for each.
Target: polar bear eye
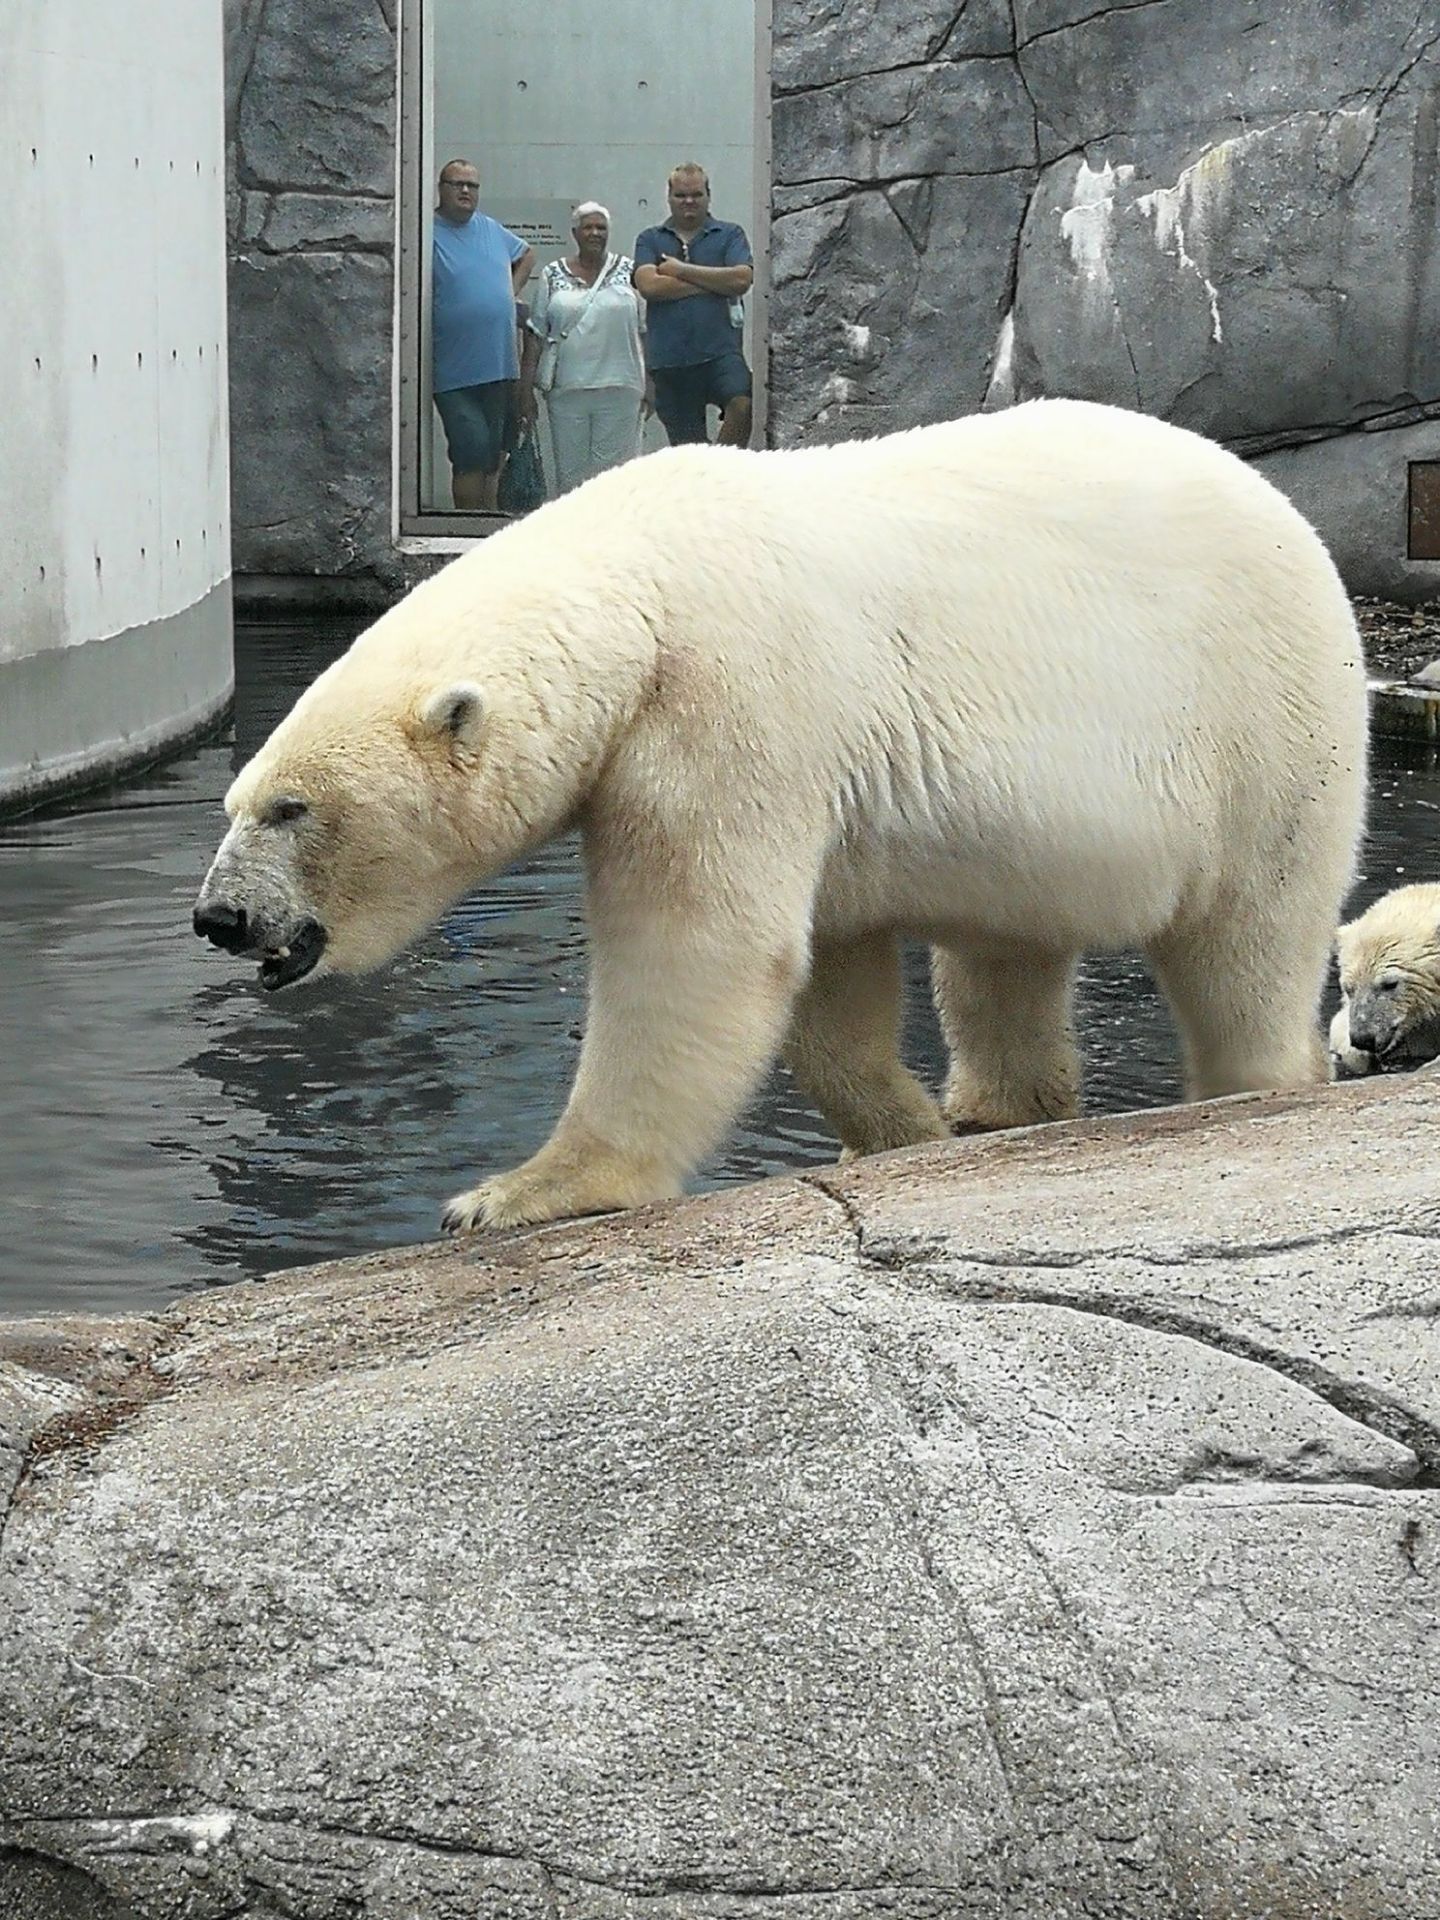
(1387, 983)
(285, 812)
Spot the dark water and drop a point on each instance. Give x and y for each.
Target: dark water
(167, 1126)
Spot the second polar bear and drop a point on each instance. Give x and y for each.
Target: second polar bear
(1033, 683)
(1389, 961)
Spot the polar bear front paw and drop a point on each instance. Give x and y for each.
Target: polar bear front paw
(506, 1201)
(1347, 1062)
(557, 1186)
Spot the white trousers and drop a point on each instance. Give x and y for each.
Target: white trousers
(591, 428)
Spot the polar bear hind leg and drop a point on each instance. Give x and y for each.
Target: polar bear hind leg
(1005, 1011)
(844, 1049)
(1244, 984)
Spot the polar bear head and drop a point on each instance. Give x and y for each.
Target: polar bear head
(466, 727)
(1390, 978)
(352, 829)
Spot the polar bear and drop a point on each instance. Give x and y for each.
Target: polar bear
(1024, 685)
(1389, 1016)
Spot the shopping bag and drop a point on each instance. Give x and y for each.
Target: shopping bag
(522, 484)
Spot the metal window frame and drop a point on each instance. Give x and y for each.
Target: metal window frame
(416, 529)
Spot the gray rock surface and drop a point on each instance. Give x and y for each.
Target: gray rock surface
(1354, 485)
(315, 432)
(1223, 213)
(310, 89)
(1211, 222)
(1038, 1525)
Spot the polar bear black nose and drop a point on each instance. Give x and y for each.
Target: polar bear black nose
(1365, 1028)
(223, 926)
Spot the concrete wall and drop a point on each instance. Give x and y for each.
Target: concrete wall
(1220, 211)
(114, 598)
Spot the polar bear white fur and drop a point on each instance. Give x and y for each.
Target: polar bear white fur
(1049, 680)
(1389, 959)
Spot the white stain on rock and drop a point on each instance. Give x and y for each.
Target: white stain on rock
(194, 1833)
(1169, 208)
(1187, 215)
(1001, 391)
(1088, 223)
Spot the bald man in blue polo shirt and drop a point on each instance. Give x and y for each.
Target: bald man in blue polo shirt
(689, 270)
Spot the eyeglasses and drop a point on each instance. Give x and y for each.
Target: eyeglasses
(462, 186)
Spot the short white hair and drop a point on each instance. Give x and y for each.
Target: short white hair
(588, 206)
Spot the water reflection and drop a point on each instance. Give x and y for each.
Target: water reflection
(168, 1126)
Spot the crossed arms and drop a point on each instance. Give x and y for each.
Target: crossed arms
(674, 279)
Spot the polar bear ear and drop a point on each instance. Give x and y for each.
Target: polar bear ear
(457, 712)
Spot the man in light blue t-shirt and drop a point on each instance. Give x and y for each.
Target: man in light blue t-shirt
(477, 269)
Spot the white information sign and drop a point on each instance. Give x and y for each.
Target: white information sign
(541, 224)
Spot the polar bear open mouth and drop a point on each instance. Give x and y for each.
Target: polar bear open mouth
(282, 966)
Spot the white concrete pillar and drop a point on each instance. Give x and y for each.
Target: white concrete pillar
(115, 636)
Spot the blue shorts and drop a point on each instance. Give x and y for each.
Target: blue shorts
(683, 393)
(480, 424)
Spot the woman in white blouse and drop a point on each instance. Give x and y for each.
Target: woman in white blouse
(590, 366)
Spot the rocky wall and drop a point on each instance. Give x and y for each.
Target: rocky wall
(1221, 211)
(310, 120)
